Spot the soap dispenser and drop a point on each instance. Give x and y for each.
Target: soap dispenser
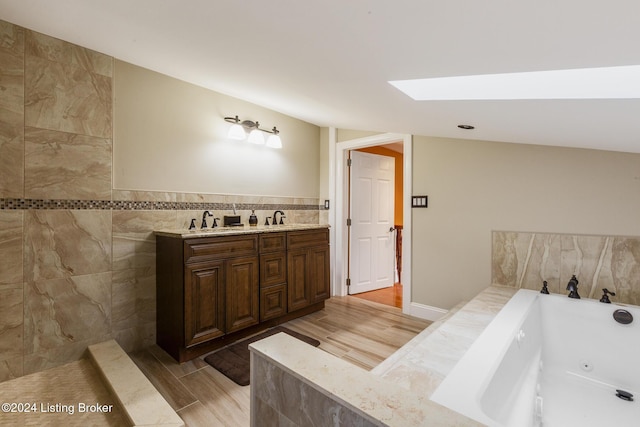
(253, 219)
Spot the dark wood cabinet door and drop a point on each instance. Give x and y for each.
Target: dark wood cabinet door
(273, 302)
(273, 269)
(299, 293)
(242, 293)
(204, 302)
(319, 273)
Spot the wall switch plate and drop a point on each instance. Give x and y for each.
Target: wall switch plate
(419, 201)
(326, 204)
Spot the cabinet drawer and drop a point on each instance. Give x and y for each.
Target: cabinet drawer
(307, 239)
(273, 269)
(220, 247)
(272, 242)
(273, 302)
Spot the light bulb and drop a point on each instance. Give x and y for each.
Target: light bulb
(256, 137)
(236, 132)
(274, 141)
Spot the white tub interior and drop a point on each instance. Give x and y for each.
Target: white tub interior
(547, 360)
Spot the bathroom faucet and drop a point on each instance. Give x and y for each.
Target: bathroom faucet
(204, 219)
(275, 220)
(572, 287)
(605, 296)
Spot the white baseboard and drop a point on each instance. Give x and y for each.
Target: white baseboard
(426, 312)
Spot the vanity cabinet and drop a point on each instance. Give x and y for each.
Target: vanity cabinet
(308, 268)
(273, 275)
(214, 290)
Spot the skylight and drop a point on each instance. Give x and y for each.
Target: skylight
(587, 83)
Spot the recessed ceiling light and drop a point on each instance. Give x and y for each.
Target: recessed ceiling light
(585, 83)
(466, 127)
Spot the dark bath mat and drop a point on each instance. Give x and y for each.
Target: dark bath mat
(233, 361)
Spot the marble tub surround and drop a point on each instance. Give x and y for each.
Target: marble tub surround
(524, 260)
(425, 361)
(395, 393)
(293, 383)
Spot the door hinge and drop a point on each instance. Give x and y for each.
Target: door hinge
(348, 222)
(348, 163)
(348, 282)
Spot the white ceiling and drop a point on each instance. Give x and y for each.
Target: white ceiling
(328, 61)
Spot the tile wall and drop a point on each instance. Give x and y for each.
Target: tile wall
(77, 258)
(524, 260)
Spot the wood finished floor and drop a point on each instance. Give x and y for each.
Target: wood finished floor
(359, 331)
(389, 296)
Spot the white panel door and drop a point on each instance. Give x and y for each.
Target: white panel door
(372, 238)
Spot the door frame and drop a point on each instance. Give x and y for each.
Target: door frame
(338, 185)
(387, 256)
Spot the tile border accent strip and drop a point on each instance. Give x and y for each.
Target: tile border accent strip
(25, 204)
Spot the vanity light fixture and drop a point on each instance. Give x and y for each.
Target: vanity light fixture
(241, 128)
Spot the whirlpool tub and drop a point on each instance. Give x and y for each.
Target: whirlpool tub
(552, 361)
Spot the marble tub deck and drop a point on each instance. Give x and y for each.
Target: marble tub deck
(395, 393)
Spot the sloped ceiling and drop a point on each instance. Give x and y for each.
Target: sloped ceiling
(329, 62)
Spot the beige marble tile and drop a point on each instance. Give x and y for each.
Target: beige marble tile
(11, 111)
(65, 243)
(60, 165)
(11, 321)
(11, 368)
(133, 298)
(60, 312)
(303, 216)
(11, 38)
(141, 402)
(583, 256)
(50, 358)
(137, 337)
(524, 260)
(134, 243)
(63, 52)
(71, 384)
(67, 98)
(11, 233)
(143, 196)
(201, 198)
(291, 378)
(625, 269)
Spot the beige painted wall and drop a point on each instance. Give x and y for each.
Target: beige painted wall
(475, 187)
(170, 136)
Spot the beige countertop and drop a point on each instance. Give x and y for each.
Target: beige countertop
(231, 231)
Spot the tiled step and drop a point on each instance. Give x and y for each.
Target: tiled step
(139, 400)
